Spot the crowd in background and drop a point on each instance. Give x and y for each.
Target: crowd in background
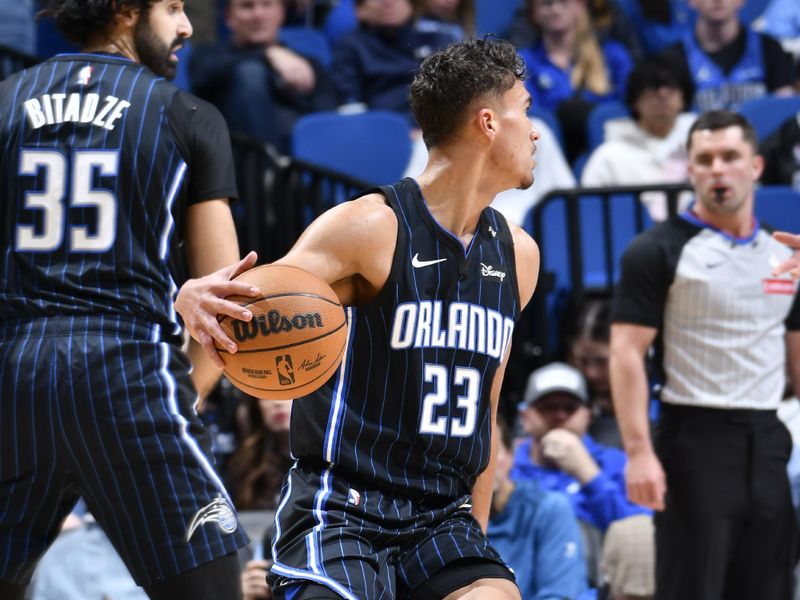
(560, 514)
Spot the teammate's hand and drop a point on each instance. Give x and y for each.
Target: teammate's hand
(254, 580)
(201, 300)
(645, 481)
(566, 451)
(792, 264)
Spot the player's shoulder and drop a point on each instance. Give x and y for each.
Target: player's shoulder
(368, 215)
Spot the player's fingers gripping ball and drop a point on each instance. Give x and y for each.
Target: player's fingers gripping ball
(295, 340)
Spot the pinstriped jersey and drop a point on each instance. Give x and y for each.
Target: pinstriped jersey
(99, 159)
(409, 408)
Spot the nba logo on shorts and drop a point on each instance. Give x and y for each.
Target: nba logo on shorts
(283, 365)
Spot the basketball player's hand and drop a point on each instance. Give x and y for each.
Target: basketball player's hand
(644, 480)
(200, 301)
(566, 451)
(254, 580)
(792, 264)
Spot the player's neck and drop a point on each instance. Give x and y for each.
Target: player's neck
(111, 44)
(453, 196)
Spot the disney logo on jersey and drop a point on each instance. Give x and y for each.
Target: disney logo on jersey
(489, 271)
(274, 322)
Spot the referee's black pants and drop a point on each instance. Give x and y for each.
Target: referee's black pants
(728, 531)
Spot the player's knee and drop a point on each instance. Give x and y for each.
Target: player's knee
(12, 591)
(487, 589)
(215, 580)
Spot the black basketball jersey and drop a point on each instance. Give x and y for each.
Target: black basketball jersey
(99, 159)
(409, 408)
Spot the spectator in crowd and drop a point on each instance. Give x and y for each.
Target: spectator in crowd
(535, 532)
(455, 18)
(257, 469)
(659, 23)
(571, 69)
(727, 62)
(587, 351)
(82, 564)
(781, 20)
(781, 152)
(560, 455)
(18, 26)
(701, 282)
(650, 148)
(608, 19)
(628, 561)
(374, 64)
(260, 86)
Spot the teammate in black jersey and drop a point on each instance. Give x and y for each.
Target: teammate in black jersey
(105, 169)
(390, 493)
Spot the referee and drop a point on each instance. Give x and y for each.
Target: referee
(700, 286)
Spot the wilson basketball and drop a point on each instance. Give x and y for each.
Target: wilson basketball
(295, 340)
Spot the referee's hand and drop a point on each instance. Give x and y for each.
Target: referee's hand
(792, 264)
(645, 481)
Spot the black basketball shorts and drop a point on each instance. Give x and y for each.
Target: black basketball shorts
(363, 543)
(100, 408)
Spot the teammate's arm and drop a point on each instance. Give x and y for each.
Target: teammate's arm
(526, 254)
(644, 476)
(211, 245)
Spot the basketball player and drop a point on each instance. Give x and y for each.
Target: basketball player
(390, 494)
(105, 168)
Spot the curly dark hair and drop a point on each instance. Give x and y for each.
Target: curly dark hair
(78, 19)
(450, 80)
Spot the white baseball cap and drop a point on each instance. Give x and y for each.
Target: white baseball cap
(556, 377)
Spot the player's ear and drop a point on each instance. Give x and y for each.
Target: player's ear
(487, 122)
(126, 13)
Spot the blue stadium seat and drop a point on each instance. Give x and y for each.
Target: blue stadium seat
(373, 146)
(494, 16)
(308, 42)
(768, 113)
(779, 207)
(340, 20)
(600, 114)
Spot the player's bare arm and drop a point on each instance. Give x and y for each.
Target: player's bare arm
(350, 247)
(211, 245)
(792, 264)
(213, 255)
(644, 476)
(526, 254)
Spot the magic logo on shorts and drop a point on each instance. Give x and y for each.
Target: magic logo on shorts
(219, 512)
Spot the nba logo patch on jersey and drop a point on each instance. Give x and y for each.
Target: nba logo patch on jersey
(84, 75)
(353, 497)
(285, 369)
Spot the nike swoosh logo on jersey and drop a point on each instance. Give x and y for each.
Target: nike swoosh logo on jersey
(417, 263)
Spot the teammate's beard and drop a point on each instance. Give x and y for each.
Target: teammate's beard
(154, 53)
